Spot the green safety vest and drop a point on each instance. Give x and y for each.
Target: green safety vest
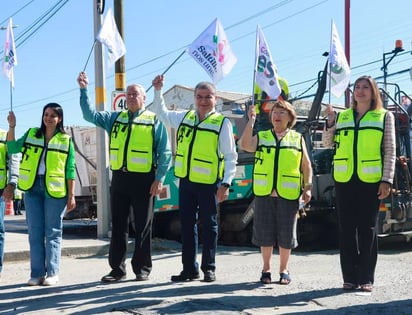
(197, 153)
(132, 146)
(55, 160)
(278, 165)
(18, 194)
(358, 148)
(3, 159)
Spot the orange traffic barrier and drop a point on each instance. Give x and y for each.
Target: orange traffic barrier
(9, 208)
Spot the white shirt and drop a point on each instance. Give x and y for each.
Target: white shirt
(227, 146)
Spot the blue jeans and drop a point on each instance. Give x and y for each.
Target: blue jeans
(44, 216)
(2, 229)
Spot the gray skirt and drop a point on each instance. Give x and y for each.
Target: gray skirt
(274, 222)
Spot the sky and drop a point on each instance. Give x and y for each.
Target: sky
(156, 32)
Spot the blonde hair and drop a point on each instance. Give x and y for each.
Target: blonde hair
(286, 106)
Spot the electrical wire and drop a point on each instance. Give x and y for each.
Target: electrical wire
(13, 14)
(34, 27)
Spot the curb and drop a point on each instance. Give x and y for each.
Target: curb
(92, 250)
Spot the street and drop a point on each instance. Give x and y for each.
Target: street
(315, 288)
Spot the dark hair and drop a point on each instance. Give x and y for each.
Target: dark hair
(57, 110)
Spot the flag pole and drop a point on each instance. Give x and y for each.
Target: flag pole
(329, 68)
(167, 69)
(11, 92)
(90, 53)
(254, 68)
(254, 72)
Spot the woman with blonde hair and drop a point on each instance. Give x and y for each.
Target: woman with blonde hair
(282, 175)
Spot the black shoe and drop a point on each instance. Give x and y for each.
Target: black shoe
(184, 276)
(209, 276)
(142, 277)
(112, 278)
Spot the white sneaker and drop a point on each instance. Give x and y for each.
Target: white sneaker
(51, 280)
(35, 281)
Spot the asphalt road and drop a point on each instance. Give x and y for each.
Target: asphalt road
(315, 288)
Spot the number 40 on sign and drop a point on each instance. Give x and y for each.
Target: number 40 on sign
(119, 101)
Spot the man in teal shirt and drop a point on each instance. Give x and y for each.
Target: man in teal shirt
(131, 186)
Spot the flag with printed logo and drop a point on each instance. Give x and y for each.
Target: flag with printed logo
(266, 82)
(10, 57)
(110, 37)
(338, 70)
(212, 51)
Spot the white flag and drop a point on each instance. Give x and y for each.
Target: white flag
(110, 37)
(338, 69)
(212, 51)
(10, 57)
(266, 79)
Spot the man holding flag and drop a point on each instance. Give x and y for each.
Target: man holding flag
(205, 142)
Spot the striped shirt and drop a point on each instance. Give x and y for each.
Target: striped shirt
(389, 146)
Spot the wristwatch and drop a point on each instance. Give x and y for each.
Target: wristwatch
(225, 185)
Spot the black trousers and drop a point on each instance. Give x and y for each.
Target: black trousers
(198, 202)
(358, 208)
(131, 191)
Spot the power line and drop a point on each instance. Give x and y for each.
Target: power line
(34, 27)
(13, 14)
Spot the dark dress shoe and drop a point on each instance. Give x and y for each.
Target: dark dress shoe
(142, 277)
(209, 276)
(185, 276)
(112, 278)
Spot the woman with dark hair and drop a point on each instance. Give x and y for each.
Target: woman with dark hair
(47, 177)
(363, 171)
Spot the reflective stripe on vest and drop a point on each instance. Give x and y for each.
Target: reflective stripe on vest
(358, 148)
(288, 153)
(197, 148)
(55, 161)
(132, 146)
(3, 159)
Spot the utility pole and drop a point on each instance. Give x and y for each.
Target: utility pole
(120, 75)
(347, 46)
(102, 162)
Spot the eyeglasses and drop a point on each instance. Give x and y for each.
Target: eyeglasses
(280, 113)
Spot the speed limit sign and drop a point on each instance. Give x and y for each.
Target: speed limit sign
(119, 101)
